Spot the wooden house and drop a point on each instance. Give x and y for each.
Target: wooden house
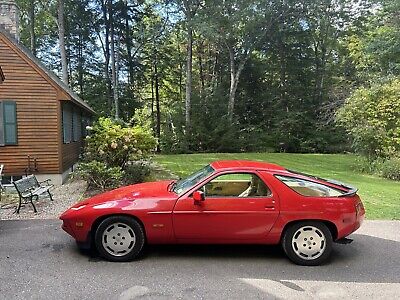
(1, 76)
(42, 121)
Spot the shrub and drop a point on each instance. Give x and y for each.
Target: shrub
(387, 168)
(364, 165)
(137, 172)
(372, 117)
(391, 169)
(99, 175)
(116, 144)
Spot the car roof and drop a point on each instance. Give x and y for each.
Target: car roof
(245, 164)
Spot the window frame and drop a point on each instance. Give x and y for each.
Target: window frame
(232, 197)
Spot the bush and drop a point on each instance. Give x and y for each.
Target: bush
(116, 144)
(387, 168)
(372, 117)
(137, 172)
(364, 165)
(390, 169)
(99, 175)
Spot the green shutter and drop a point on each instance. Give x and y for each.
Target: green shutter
(10, 122)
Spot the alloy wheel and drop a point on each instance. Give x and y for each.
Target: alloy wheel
(308, 242)
(118, 239)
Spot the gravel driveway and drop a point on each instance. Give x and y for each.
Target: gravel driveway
(64, 196)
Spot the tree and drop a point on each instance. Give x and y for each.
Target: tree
(189, 8)
(32, 26)
(372, 117)
(61, 39)
(229, 75)
(240, 29)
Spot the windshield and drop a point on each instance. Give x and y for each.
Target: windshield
(185, 184)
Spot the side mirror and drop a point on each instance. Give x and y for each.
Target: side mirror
(198, 196)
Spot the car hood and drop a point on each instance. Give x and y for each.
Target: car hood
(148, 190)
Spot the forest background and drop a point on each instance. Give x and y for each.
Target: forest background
(315, 76)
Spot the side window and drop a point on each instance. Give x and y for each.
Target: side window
(75, 125)
(309, 188)
(67, 123)
(236, 185)
(78, 126)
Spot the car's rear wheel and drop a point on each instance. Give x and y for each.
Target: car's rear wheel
(307, 243)
(119, 238)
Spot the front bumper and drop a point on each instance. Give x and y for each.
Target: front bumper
(67, 228)
(80, 234)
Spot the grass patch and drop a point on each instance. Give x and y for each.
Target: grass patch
(381, 196)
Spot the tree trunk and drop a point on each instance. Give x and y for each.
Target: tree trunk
(235, 76)
(105, 6)
(80, 62)
(201, 69)
(189, 66)
(114, 60)
(152, 104)
(158, 109)
(32, 34)
(61, 38)
(321, 75)
(128, 42)
(116, 81)
(189, 8)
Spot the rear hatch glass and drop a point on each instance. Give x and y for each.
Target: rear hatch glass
(306, 187)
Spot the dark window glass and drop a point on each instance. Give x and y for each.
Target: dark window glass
(74, 125)
(67, 123)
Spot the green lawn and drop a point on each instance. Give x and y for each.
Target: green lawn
(381, 197)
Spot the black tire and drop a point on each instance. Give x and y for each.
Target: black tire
(313, 249)
(119, 231)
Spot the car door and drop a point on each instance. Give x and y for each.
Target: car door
(228, 213)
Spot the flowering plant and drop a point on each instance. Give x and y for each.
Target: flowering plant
(116, 145)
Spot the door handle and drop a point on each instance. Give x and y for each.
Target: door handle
(270, 206)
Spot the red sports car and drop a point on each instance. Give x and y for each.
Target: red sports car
(226, 202)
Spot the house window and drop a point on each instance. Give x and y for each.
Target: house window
(67, 123)
(74, 125)
(8, 123)
(78, 126)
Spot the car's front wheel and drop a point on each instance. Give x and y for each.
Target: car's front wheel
(307, 243)
(119, 238)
